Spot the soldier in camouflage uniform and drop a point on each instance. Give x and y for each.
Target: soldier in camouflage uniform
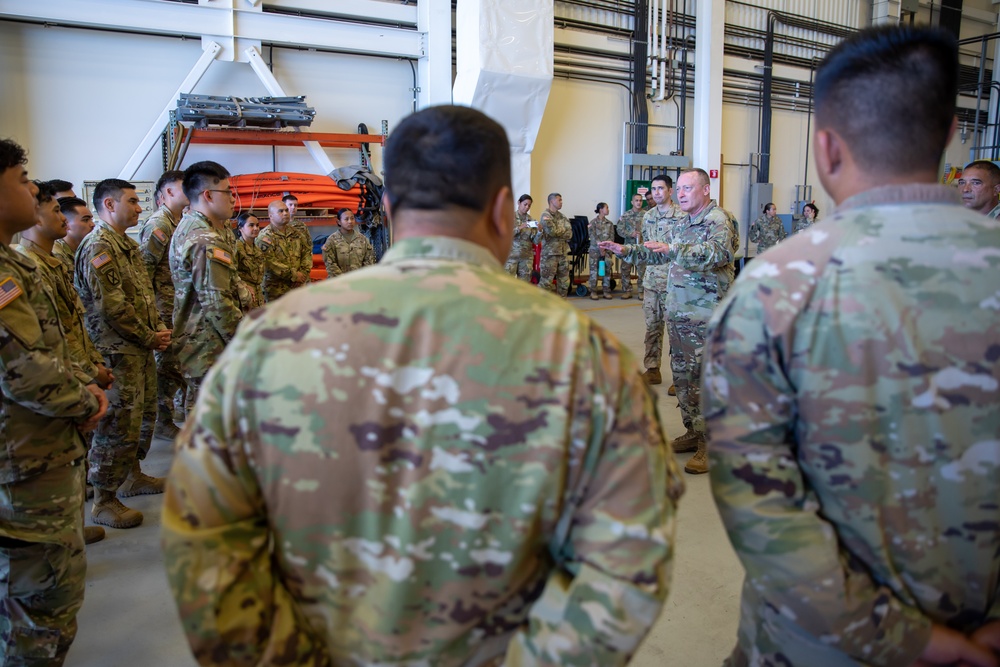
(79, 223)
(979, 186)
(700, 256)
(629, 227)
(250, 260)
(505, 493)
(287, 257)
(600, 229)
(292, 204)
(123, 323)
(44, 405)
(658, 224)
(851, 390)
(810, 212)
(203, 266)
(767, 231)
(521, 260)
(346, 249)
(154, 243)
(554, 233)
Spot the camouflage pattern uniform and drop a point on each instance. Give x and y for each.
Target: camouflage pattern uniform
(600, 230)
(122, 321)
(42, 561)
(799, 224)
(154, 242)
(851, 397)
(250, 267)
(512, 496)
(656, 226)
(629, 227)
(285, 252)
(521, 260)
(69, 307)
(699, 275)
(554, 233)
(342, 254)
(67, 256)
(766, 232)
(995, 212)
(203, 266)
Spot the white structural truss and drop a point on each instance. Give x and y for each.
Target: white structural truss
(233, 30)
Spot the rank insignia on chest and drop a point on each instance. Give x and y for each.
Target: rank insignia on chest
(160, 236)
(220, 255)
(101, 260)
(9, 290)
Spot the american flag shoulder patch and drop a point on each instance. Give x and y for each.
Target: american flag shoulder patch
(9, 290)
(220, 255)
(101, 260)
(160, 236)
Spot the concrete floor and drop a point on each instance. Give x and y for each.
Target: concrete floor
(129, 618)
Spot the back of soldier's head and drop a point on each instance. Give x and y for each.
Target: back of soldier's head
(201, 176)
(446, 157)
(889, 92)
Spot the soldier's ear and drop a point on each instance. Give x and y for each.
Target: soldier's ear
(387, 207)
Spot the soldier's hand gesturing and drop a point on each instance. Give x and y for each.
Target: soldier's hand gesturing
(657, 247)
(616, 248)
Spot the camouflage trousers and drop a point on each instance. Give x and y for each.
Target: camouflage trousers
(520, 268)
(554, 267)
(654, 307)
(595, 261)
(626, 272)
(192, 386)
(686, 330)
(169, 384)
(275, 289)
(42, 566)
(127, 431)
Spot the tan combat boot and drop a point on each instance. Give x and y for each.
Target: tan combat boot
(91, 534)
(139, 483)
(627, 295)
(698, 464)
(109, 511)
(593, 295)
(607, 294)
(672, 391)
(652, 376)
(688, 442)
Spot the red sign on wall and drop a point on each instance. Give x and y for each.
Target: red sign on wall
(713, 173)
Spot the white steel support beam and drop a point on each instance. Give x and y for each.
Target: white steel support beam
(273, 87)
(710, 28)
(376, 10)
(245, 21)
(434, 67)
(210, 53)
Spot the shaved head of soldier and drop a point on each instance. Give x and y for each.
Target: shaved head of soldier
(277, 213)
(889, 72)
(428, 190)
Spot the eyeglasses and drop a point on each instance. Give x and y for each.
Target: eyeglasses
(228, 192)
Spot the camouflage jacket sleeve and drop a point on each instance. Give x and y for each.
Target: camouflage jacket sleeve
(637, 254)
(330, 257)
(564, 229)
(369, 258)
(545, 227)
(715, 251)
(755, 228)
(615, 538)
(794, 563)
(154, 243)
(243, 614)
(216, 281)
(275, 265)
(111, 302)
(31, 373)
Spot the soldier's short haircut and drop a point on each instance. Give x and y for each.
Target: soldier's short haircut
(702, 175)
(110, 187)
(552, 195)
(59, 185)
(11, 155)
(446, 157)
(68, 205)
(991, 169)
(45, 191)
(202, 176)
(524, 198)
(168, 177)
(889, 92)
(288, 198)
(665, 178)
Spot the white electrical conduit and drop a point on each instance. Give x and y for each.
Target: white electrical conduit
(651, 63)
(661, 50)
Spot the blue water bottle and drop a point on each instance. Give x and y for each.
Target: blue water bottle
(600, 268)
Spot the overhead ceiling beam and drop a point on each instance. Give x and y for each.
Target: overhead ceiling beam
(175, 18)
(373, 10)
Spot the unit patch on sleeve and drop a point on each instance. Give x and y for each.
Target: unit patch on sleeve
(9, 290)
(220, 255)
(101, 260)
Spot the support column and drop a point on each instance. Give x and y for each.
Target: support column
(434, 66)
(710, 31)
(885, 12)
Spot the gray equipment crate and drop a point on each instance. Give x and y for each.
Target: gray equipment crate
(206, 110)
